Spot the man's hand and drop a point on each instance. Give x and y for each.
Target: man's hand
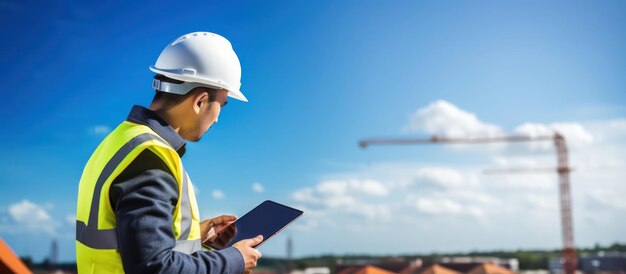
(210, 228)
(248, 252)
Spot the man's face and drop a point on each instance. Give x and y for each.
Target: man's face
(209, 113)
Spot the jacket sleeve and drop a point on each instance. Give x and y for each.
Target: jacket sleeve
(143, 198)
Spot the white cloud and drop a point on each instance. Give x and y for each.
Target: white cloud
(339, 201)
(446, 207)
(383, 190)
(217, 194)
(32, 217)
(524, 181)
(542, 202)
(25, 211)
(517, 162)
(71, 219)
(574, 133)
(444, 119)
(305, 195)
(370, 187)
(352, 197)
(340, 187)
(101, 129)
(332, 187)
(607, 199)
(258, 187)
(432, 206)
(442, 176)
(373, 212)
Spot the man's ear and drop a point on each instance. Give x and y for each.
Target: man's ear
(200, 100)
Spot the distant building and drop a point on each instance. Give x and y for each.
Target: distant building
(464, 264)
(555, 265)
(310, 270)
(600, 263)
(535, 271)
(317, 270)
(604, 262)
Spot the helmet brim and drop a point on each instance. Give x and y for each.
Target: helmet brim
(233, 93)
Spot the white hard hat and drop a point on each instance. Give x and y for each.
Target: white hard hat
(199, 59)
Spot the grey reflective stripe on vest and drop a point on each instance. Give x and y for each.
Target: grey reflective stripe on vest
(88, 234)
(183, 245)
(188, 246)
(185, 222)
(94, 238)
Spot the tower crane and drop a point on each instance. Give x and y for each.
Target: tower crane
(563, 170)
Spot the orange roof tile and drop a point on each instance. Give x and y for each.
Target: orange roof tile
(412, 269)
(370, 269)
(489, 268)
(437, 269)
(9, 262)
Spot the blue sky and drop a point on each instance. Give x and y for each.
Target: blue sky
(321, 75)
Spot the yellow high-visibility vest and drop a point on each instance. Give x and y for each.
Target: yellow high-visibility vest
(96, 240)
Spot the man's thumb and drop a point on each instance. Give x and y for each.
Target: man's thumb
(257, 240)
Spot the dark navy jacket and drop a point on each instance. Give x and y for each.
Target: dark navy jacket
(143, 197)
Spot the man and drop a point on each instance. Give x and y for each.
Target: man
(136, 209)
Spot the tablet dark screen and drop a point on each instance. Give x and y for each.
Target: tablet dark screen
(265, 219)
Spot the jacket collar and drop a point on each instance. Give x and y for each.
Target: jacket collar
(144, 116)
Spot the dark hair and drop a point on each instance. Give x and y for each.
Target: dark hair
(172, 99)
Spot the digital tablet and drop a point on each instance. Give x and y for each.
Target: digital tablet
(266, 219)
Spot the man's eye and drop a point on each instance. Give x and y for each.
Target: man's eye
(225, 103)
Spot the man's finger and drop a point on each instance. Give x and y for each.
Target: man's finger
(211, 235)
(224, 218)
(256, 240)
